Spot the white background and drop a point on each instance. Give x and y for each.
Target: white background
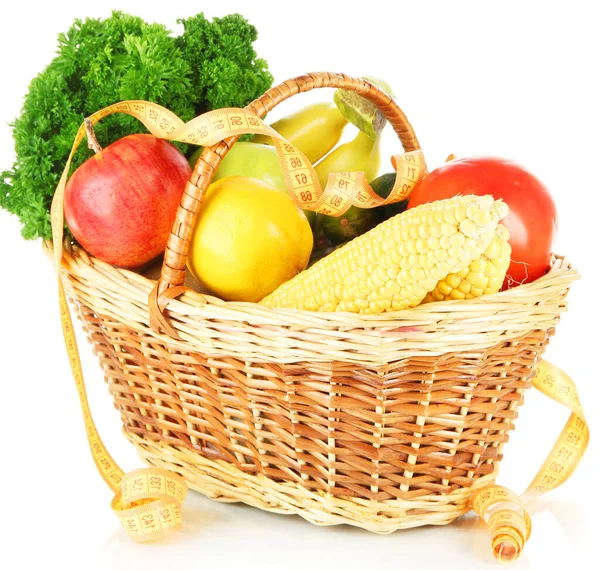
(474, 78)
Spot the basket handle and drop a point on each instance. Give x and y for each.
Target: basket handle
(170, 283)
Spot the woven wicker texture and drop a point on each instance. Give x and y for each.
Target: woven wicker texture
(381, 421)
(407, 406)
(224, 482)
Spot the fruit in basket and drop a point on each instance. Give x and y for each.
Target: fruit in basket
(313, 130)
(482, 277)
(251, 160)
(532, 217)
(120, 204)
(397, 263)
(249, 238)
(361, 154)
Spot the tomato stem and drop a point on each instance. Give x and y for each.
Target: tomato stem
(91, 136)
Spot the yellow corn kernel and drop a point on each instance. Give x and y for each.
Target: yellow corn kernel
(366, 276)
(483, 276)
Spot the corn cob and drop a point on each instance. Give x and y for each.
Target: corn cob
(395, 265)
(484, 276)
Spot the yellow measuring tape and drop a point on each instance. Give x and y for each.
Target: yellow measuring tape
(148, 501)
(502, 509)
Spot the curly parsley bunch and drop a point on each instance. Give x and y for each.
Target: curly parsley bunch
(212, 64)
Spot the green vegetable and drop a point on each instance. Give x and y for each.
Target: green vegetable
(323, 251)
(356, 221)
(99, 62)
(383, 186)
(351, 224)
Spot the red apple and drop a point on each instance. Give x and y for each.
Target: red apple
(120, 204)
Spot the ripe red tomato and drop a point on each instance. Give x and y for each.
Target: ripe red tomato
(531, 221)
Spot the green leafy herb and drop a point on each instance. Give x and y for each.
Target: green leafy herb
(100, 62)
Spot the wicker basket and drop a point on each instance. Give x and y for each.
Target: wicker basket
(380, 421)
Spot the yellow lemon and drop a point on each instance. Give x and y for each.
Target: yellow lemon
(248, 240)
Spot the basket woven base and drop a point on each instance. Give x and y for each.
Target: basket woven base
(224, 482)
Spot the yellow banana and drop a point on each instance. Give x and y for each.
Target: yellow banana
(361, 154)
(313, 130)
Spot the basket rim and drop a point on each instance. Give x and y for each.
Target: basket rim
(560, 268)
(561, 272)
(216, 328)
